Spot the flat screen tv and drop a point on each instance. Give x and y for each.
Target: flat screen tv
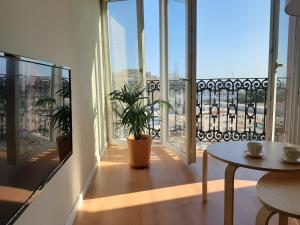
(35, 129)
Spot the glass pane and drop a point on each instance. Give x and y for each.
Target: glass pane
(176, 69)
(151, 31)
(152, 57)
(123, 44)
(281, 74)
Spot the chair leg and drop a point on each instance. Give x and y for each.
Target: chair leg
(204, 177)
(263, 216)
(283, 219)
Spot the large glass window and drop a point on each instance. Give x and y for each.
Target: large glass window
(152, 61)
(123, 46)
(176, 71)
(233, 41)
(232, 69)
(123, 42)
(151, 31)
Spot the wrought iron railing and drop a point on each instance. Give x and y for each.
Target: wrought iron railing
(231, 109)
(153, 91)
(226, 109)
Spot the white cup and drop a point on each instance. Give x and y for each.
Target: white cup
(254, 148)
(291, 153)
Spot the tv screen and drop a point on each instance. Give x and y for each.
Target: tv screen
(35, 129)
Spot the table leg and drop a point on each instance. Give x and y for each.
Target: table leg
(263, 216)
(204, 177)
(229, 194)
(283, 219)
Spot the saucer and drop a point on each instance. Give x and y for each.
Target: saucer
(248, 154)
(285, 159)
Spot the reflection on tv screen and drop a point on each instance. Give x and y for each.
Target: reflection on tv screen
(35, 128)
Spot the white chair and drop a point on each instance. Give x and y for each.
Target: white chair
(279, 193)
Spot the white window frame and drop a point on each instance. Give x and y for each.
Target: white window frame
(272, 75)
(293, 85)
(191, 19)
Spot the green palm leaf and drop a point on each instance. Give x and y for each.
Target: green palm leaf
(129, 105)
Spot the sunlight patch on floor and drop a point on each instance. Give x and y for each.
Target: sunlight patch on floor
(106, 163)
(157, 195)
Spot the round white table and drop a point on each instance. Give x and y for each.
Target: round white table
(232, 153)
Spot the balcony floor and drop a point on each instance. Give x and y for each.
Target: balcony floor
(168, 193)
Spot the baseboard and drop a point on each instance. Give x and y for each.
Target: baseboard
(81, 195)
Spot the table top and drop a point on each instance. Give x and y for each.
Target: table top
(280, 192)
(233, 153)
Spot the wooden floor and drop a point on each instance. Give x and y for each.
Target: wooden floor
(168, 193)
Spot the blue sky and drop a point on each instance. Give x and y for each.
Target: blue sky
(232, 37)
(123, 35)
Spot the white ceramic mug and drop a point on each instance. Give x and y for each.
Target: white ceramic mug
(254, 148)
(291, 153)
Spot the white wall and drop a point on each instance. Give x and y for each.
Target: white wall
(64, 32)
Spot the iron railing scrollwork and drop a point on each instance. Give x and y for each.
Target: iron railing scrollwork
(231, 109)
(226, 109)
(153, 92)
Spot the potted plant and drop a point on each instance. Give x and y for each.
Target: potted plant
(129, 105)
(60, 116)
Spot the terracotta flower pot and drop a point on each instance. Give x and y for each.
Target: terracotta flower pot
(139, 151)
(64, 146)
